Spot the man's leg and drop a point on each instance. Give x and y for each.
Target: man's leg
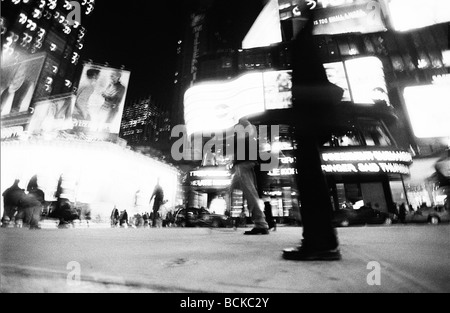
(246, 173)
(35, 217)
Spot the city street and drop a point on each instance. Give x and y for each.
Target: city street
(412, 258)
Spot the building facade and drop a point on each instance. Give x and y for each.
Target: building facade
(46, 39)
(369, 153)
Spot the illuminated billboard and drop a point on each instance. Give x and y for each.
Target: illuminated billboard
(278, 90)
(100, 99)
(18, 84)
(406, 15)
(52, 115)
(217, 106)
(337, 16)
(362, 80)
(429, 110)
(267, 28)
(374, 161)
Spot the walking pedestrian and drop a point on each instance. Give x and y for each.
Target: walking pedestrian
(115, 217)
(315, 105)
(158, 195)
(244, 177)
(269, 215)
(11, 198)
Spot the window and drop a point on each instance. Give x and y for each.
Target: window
(375, 135)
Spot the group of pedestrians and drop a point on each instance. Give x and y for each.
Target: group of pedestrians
(23, 208)
(153, 219)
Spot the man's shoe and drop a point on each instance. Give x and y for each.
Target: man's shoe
(257, 231)
(302, 254)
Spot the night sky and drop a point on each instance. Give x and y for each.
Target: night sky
(143, 36)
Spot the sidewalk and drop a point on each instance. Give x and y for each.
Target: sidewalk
(221, 261)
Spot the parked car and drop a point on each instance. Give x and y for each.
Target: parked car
(194, 217)
(432, 215)
(365, 215)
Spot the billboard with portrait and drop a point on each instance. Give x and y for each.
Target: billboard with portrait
(100, 99)
(18, 84)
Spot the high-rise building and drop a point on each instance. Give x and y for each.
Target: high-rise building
(47, 37)
(146, 126)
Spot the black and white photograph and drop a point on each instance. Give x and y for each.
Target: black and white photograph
(225, 155)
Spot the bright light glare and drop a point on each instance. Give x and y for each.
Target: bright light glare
(414, 14)
(216, 106)
(429, 110)
(267, 28)
(102, 174)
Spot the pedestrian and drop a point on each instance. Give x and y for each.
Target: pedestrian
(115, 217)
(269, 215)
(146, 217)
(158, 195)
(30, 208)
(402, 213)
(123, 219)
(315, 101)
(244, 177)
(11, 198)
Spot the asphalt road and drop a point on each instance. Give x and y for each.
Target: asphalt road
(412, 258)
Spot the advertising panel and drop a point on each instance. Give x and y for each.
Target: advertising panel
(267, 28)
(211, 107)
(278, 90)
(337, 75)
(337, 16)
(52, 115)
(429, 110)
(100, 99)
(406, 15)
(18, 84)
(217, 106)
(367, 80)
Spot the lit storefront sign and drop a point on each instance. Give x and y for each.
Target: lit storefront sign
(216, 106)
(210, 178)
(413, 14)
(376, 161)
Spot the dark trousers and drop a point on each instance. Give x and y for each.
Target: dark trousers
(156, 207)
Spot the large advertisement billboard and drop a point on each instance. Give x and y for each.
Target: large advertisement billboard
(217, 106)
(100, 99)
(362, 79)
(18, 84)
(337, 16)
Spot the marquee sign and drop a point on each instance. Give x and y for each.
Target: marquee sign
(216, 177)
(375, 161)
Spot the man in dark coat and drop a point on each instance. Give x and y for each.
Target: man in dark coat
(158, 194)
(11, 198)
(30, 208)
